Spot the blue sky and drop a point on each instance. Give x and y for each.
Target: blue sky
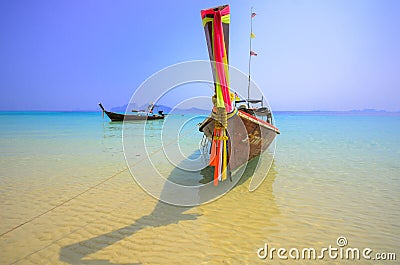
(312, 55)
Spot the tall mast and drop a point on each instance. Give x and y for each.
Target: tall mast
(251, 31)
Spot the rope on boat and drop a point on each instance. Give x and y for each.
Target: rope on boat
(92, 187)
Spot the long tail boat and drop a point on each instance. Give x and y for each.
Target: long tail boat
(135, 116)
(236, 134)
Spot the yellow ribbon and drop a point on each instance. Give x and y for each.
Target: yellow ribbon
(225, 19)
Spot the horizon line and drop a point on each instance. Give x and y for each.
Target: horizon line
(320, 110)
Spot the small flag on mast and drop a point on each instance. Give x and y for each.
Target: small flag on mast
(252, 35)
(253, 15)
(237, 98)
(253, 53)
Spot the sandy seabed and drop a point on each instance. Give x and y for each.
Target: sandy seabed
(321, 186)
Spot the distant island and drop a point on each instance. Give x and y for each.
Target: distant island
(341, 112)
(165, 109)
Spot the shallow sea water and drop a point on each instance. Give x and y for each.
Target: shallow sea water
(333, 175)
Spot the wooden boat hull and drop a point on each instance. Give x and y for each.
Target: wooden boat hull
(128, 117)
(248, 137)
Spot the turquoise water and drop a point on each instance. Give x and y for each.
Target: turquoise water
(333, 175)
(343, 173)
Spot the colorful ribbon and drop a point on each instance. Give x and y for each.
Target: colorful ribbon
(219, 154)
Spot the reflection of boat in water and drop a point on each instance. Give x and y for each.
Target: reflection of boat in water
(135, 116)
(237, 134)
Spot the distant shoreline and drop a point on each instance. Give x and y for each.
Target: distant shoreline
(340, 112)
(294, 112)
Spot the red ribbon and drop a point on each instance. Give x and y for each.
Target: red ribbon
(219, 51)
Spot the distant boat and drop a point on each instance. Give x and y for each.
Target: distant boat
(237, 134)
(136, 115)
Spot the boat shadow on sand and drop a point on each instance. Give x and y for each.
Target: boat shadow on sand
(163, 214)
